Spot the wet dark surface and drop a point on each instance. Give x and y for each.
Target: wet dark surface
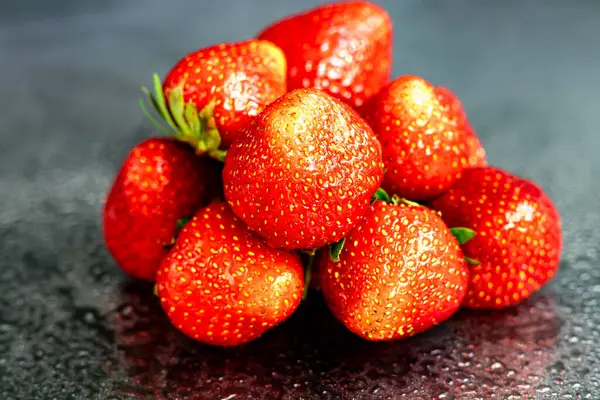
(72, 326)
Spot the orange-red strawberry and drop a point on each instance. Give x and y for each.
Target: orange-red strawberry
(303, 172)
(426, 138)
(400, 272)
(342, 48)
(518, 235)
(160, 182)
(475, 150)
(210, 94)
(222, 285)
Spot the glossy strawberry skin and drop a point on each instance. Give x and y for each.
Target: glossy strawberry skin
(303, 172)
(344, 49)
(160, 182)
(474, 149)
(222, 285)
(518, 241)
(425, 135)
(400, 272)
(241, 78)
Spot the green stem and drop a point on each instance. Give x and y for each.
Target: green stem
(158, 100)
(182, 120)
(308, 275)
(398, 200)
(380, 195)
(335, 249)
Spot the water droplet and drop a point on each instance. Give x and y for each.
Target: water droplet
(543, 389)
(497, 366)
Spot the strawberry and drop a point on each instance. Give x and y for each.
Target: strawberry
(518, 241)
(303, 172)
(343, 48)
(426, 138)
(475, 150)
(400, 272)
(210, 94)
(160, 182)
(222, 285)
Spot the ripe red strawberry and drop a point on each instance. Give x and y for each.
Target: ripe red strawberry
(475, 150)
(518, 241)
(426, 138)
(210, 94)
(222, 285)
(303, 172)
(400, 272)
(344, 49)
(160, 182)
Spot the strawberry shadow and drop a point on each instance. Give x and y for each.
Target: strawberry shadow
(311, 355)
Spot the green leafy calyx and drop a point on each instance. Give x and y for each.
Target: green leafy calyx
(182, 120)
(335, 249)
(380, 195)
(471, 261)
(463, 235)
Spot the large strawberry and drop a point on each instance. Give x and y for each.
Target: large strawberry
(161, 182)
(400, 272)
(303, 172)
(222, 285)
(518, 235)
(426, 138)
(210, 94)
(342, 48)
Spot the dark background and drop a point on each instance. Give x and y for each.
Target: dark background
(72, 326)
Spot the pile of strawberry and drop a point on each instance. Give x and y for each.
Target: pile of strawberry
(293, 162)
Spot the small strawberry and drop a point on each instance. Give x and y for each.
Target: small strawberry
(425, 136)
(210, 94)
(160, 182)
(303, 172)
(400, 272)
(518, 241)
(344, 49)
(222, 285)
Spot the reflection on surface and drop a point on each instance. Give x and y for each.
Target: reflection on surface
(312, 356)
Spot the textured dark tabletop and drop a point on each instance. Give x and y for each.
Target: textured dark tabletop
(72, 326)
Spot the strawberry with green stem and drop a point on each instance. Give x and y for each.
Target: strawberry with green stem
(160, 183)
(399, 272)
(333, 251)
(426, 138)
(519, 238)
(222, 285)
(210, 94)
(302, 173)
